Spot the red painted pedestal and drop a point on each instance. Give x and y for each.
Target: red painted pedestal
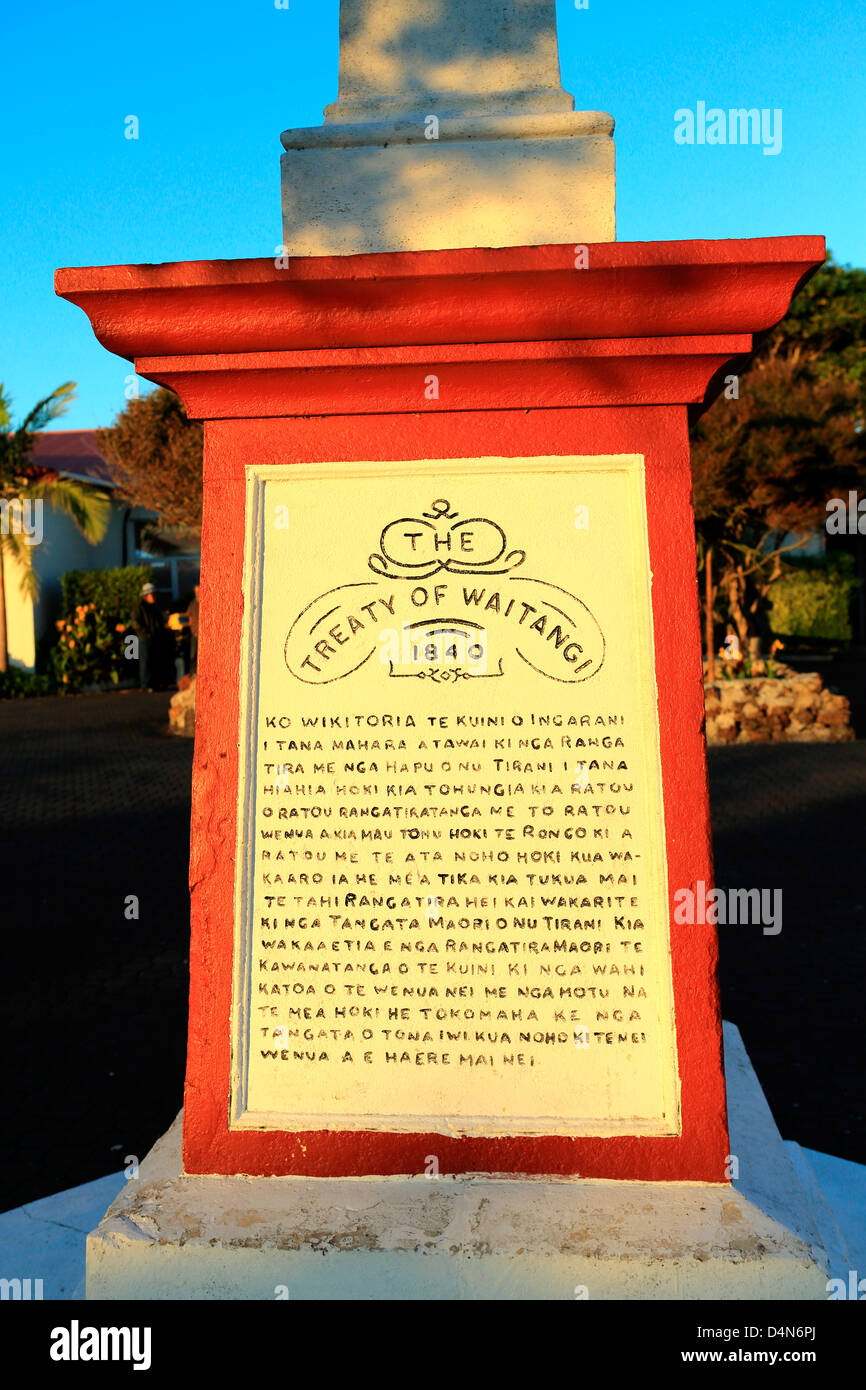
(327, 360)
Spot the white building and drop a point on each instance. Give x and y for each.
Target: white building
(74, 454)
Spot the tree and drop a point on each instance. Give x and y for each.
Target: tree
(825, 326)
(23, 483)
(764, 464)
(155, 456)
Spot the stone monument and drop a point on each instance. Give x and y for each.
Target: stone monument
(451, 130)
(450, 762)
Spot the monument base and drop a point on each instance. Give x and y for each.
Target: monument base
(484, 181)
(169, 1236)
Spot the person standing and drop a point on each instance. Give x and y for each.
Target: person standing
(147, 623)
(192, 614)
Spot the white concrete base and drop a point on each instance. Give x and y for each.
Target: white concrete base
(451, 130)
(487, 181)
(836, 1189)
(42, 1243)
(168, 1236)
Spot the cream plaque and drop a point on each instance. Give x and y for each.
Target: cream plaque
(451, 901)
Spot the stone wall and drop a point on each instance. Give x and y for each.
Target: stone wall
(792, 708)
(181, 711)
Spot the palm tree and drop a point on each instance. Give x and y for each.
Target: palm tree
(23, 481)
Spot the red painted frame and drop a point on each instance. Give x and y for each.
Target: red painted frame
(251, 349)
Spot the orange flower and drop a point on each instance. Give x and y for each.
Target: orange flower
(120, 627)
(65, 679)
(59, 624)
(71, 644)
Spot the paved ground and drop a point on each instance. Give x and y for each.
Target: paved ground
(94, 807)
(792, 817)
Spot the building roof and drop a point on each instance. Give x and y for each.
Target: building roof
(73, 452)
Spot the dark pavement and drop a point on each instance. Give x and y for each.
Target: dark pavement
(793, 817)
(94, 807)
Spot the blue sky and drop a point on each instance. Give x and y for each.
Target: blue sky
(213, 84)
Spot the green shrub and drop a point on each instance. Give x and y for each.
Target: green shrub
(18, 685)
(89, 649)
(812, 599)
(116, 591)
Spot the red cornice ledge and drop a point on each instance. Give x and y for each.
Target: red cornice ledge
(642, 323)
